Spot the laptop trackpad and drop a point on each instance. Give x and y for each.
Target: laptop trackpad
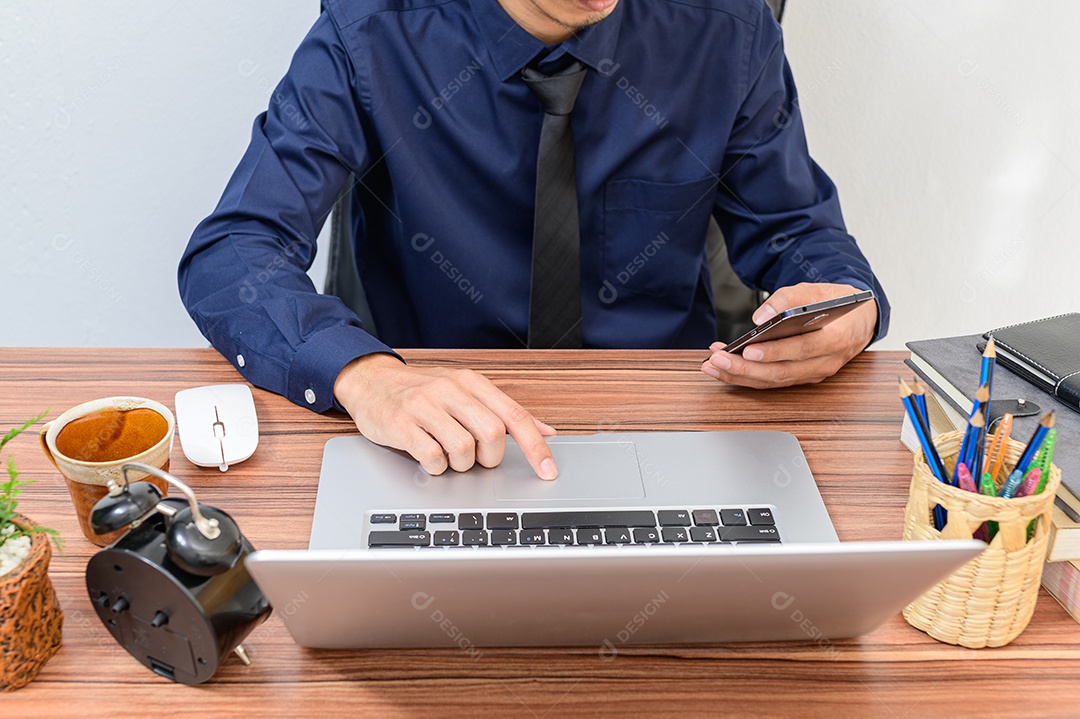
(587, 470)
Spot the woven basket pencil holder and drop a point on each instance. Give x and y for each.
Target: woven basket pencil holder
(990, 600)
(31, 619)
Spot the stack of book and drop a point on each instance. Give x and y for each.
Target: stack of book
(950, 367)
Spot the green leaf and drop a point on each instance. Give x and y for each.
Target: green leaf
(11, 488)
(19, 430)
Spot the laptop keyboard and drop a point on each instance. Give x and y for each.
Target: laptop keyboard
(573, 528)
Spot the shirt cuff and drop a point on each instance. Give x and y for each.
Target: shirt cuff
(881, 325)
(321, 358)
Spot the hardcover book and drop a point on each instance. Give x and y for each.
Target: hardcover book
(1062, 580)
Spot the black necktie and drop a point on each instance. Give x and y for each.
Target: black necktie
(555, 298)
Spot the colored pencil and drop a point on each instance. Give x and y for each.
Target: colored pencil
(986, 379)
(1045, 425)
(975, 452)
(970, 441)
(919, 394)
(933, 459)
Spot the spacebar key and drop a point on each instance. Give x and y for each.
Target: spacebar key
(547, 520)
(399, 539)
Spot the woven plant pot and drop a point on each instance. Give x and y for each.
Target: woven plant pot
(30, 616)
(990, 600)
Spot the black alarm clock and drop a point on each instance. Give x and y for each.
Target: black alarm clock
(173, 590)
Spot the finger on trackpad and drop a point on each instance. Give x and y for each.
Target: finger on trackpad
(587, 470)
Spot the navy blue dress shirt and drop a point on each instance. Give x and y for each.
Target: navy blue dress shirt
(688, 110)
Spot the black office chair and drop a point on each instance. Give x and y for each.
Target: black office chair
(733, 301)
(342, 275)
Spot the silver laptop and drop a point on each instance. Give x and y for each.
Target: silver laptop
(653, 537)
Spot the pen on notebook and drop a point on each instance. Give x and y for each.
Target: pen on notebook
(933, 459)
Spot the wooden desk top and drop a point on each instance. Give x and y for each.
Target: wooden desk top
(849, 428)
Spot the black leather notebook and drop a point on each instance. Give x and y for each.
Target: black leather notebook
(1046, 353)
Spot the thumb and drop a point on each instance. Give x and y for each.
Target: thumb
(764, 313)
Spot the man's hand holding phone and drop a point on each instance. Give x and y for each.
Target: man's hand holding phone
(803, 358)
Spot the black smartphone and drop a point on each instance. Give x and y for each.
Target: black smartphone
(799, 320)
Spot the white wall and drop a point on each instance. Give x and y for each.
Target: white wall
(120, 123)
(947, 126)
(950, 129)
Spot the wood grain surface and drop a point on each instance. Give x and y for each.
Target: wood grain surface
(849, 428)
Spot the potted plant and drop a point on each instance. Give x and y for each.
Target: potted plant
(30, 615)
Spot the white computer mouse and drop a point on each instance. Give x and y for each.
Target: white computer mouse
(217, 424)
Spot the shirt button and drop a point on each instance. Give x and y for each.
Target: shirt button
(309, 395)
(240, 361)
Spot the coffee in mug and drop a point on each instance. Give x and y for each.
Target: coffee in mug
(90, 442)
(110, 434)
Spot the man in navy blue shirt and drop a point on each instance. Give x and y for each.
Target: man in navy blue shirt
(687, 110)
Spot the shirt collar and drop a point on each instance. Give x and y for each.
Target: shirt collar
(512, 48)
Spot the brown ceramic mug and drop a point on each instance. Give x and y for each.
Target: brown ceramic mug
(90, 442)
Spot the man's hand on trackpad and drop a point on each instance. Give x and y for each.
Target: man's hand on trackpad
(442, 417)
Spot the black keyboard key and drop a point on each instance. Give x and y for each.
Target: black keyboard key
(532, 537)
(761, 517)
(474, 520)
(560, 536)
(646, 535)
(749, 534)
(732, 517)
(503, 537)
(446, 538)
(474, 538)
(443, 518)
(590, 536)
(413, 518)
(573, 520)
(703, 534)
(675, 534)
(406, 525)
(706, 518)
(617, 535)
(496, 520)
(674, 518)
(399, 539)
(384, 519)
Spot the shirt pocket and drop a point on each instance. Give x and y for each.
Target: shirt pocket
(654, 235)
